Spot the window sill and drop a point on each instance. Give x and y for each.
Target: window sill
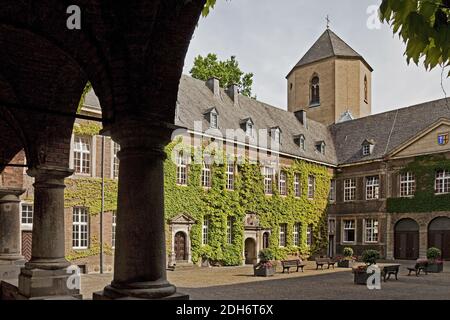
(80, 248)
(314, 105)
(181, 185)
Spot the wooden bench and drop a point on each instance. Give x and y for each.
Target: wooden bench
(320, 262)
(388, 270)
(418, 267)
(287, 264)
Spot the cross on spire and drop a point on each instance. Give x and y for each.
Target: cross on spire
(328, 21)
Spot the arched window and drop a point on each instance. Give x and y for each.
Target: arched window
(315, 91)
(366, 92)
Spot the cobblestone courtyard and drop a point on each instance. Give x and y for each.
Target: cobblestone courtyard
(234, 283)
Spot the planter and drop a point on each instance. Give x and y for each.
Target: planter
(360, 277)
(345, 264)
(205, 263)
(435, 267)
(261, 271)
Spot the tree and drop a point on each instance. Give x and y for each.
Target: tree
(209, 5)
(228, 72)
(424, 26)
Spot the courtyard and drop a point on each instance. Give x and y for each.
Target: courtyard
(238, 283)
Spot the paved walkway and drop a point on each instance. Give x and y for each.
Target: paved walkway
(236, 283)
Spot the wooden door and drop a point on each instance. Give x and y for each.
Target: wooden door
(180, 246)
(440, 240)
(406, 245)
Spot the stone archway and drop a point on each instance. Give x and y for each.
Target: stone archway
(250, 251)
(180, 246)
(439, 235)
(180, 234)
(406, 239)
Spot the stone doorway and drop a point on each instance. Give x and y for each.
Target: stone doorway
(180, 246)
(180, 235)
(406, 240)
(250, 251)
(439, 236)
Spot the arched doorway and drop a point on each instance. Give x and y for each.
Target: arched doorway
(439, 235)
(250, 251)
(180, 246)
(406, 240)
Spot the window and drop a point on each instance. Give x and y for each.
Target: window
(27, 213)
(349, 231)
(214, 123)
(407, 184)
(116, 149)
(302, 143)
(349, 189)
(181, 168)
(206, 175)
(230, 176)
(80, 228)
(366, 149)
(331, 226)
(230, 224)
(297, 184)
(309, 235)
(276, 134)
(311, 186)
(268, 178)
(205, 230)
(332, 195)
(372, 187)
(282, 183)
(366, 90)
(283, 229)
(442, 182)
(249, 129)
(296, 234)
(371, 231)
(113, 230)
(320, 146)
(82, 155)
(266, 243)
(315, 91)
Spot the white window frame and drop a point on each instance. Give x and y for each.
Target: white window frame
(83, 151)
(249, 129)
(80, 227)
(113, 228)
(230, 225)
(230, 172)
(366, 149)
(296, 234)
(268, 173)
(205, 231)
(181, 169)
(349, 189)
(311, 186)
(115, 160)
(346, 228)
(214, 120)
(26, 225)
(443, 179)
(282, 183)
(309, 235)
(407, 184)
(302, 143)
(297, 188)
(372, 231)
(282, 236)
(206, 175)
(372, 188)
(332, 195)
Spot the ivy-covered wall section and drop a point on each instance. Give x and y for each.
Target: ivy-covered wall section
(425, 199)
(248, 196)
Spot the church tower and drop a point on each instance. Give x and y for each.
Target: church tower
(332, 82)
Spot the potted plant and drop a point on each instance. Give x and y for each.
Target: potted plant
(369, 258)
(435, 264)
(347, 260)
(266, 266)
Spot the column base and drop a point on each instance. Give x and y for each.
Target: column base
(44, 284)
(10, 268)
(101, 295)
(142, 291)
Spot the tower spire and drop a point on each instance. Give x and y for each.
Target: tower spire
(327, 18)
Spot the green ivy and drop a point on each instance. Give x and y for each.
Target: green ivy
(425, 199)
(94, 249)
(218, 204)
(88, 128)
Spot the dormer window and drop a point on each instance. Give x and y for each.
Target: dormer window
(275, 133)
(212, 116)
(248, 126)
(320, 146)
(367, 147)
(301, 141)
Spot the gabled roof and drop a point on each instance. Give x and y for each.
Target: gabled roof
(329, 45)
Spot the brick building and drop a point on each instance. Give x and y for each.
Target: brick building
(389, 173)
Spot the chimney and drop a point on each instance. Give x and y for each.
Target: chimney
(301, 116)
(213, 85)
(233, 92)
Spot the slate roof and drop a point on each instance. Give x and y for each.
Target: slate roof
(329, 45)
(388, 130)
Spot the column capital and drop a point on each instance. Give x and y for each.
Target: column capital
(10, 194)
(50, 174)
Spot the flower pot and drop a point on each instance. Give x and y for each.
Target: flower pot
(435, 267)
(360, 277)
(262, 271)
(345, 264)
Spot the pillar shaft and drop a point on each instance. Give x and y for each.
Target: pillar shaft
(10, 224)
(140, 254)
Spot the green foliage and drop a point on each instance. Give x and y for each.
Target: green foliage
(218, 204)
(433, 253)
(425, 199)
(93, 250)
(348, 252)
(370, 257)
(209, 5)
(88, 128)
(424, 26)
(266, 255)
(83, 95)
(228, 72)
(86, 192)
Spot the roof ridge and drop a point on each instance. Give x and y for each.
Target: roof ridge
(331, 42)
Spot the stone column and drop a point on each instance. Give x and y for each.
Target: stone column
(10, 245)
(47, 274)
(140, 252)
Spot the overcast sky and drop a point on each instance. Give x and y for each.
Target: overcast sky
(268, 37)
